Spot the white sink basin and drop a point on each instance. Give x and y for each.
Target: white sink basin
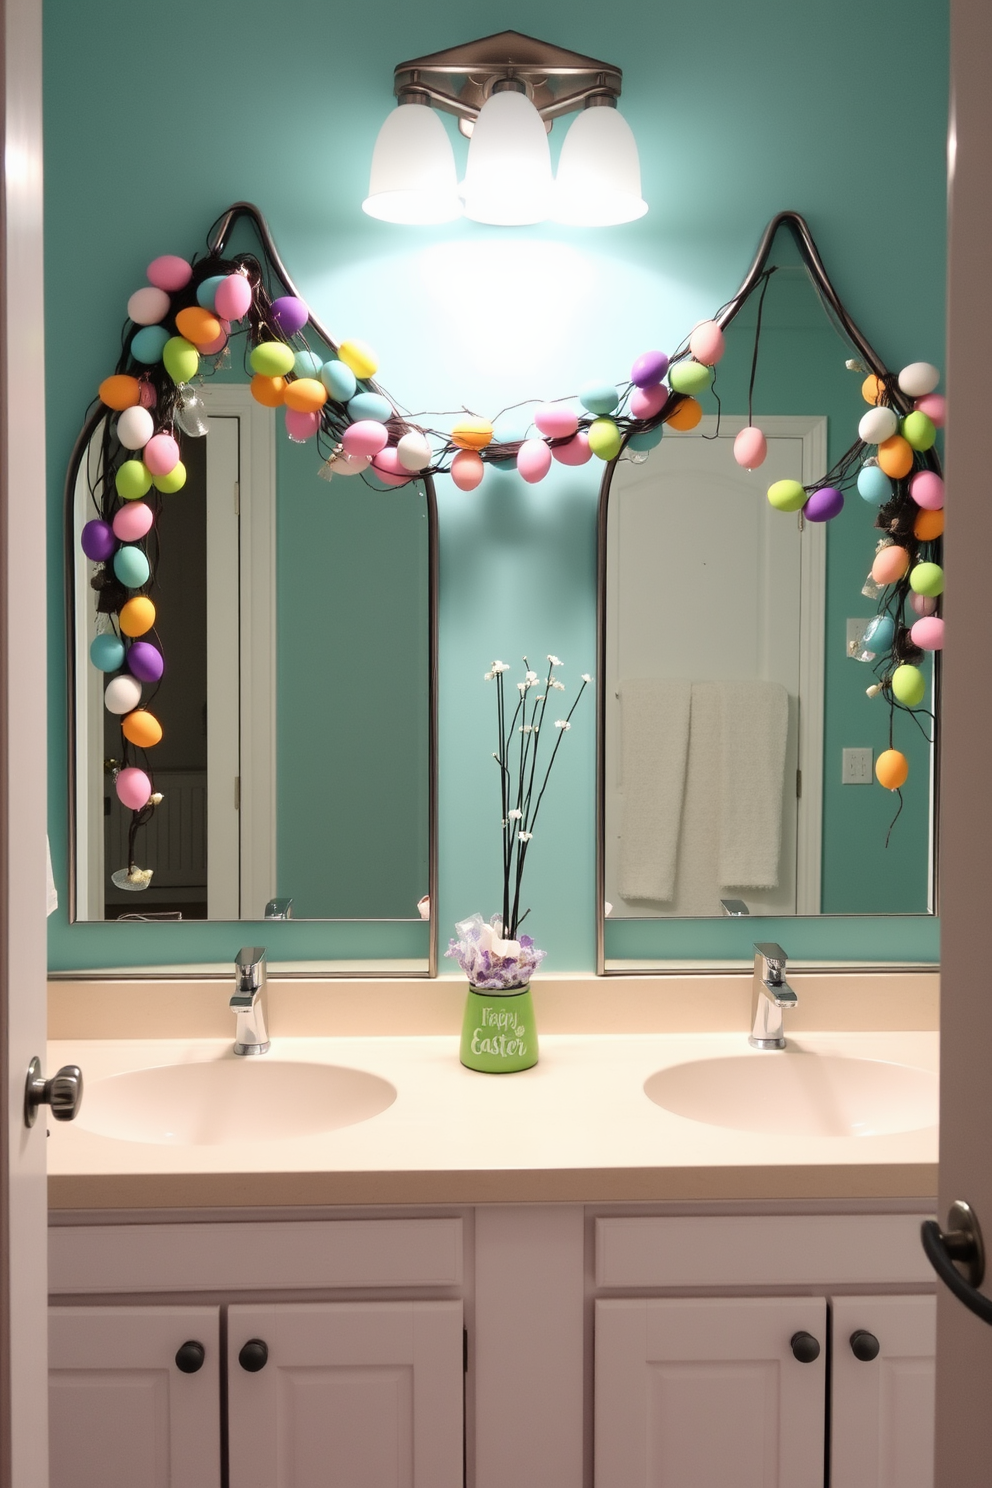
(237, 1099)
(798, 1092)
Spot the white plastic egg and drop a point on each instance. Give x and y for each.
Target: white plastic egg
(122, 694)
(148, 306)
(414, 451)
(877, 425)
(918, 379)
(135, 427)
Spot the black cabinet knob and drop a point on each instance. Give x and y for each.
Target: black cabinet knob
(254, 1355)
(190, 1356)
(805, 1347)
(864, 1345)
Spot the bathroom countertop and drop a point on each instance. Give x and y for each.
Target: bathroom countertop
(576, 1128)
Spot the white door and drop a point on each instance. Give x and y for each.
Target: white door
(23, 1217)
(132, 1404)
(881, 1421)
(346, 1395)
(708, 1393)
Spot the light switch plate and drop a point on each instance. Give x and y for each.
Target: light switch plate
(857, 767)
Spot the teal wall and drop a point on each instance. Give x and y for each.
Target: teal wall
(158, 116)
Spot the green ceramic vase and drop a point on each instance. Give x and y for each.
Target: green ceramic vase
(499, 1034)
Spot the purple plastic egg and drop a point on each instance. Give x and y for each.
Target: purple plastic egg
(649, 369)
(144, 661)
(556, 421)
(533, 461)
(97, 541)
(923, 604)
(823, 504)
(133, 788)
(289, 314)
(575, 452)
(133, 521)
(927, 490)
(233, 297)
(647, 401)
(928, 633)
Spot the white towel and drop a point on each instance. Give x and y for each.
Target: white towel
(754, 727)
(655, 742)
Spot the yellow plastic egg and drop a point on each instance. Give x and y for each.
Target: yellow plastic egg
(137, 616)
(872, 389)
(360, 357)
(895, 457)
(305, 395)
(787, 495)
(909, 685)
(471, 433)
(686, 416)
(269, 391)
(120, 392)
(605, 438)
(891, 769)
(142, 729)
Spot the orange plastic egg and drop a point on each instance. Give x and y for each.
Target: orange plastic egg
(929, 525)
(895, 457)
(198, 325)
(269, 391)
(891, 769)
(686, 416)
(142, 729)
(872, 389)
(137, 616)
(890, 565)
(120, 392)
(472, 433)
(305, 395)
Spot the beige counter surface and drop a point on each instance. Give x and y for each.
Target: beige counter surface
(576, 1128)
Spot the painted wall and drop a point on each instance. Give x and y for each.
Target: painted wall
(158, 117)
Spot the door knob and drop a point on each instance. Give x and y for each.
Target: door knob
(254, 1355)
(961, 1244)
(805, 1347)
(63, 1093)
(864, 1345)
(190, 1356)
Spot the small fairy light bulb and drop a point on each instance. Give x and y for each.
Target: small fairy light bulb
(156, 798)
(873, 690)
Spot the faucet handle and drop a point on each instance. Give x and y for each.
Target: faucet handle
(250, 967)
(773, 954)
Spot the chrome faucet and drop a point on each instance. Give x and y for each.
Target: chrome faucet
(250, 1001)
(770, 994)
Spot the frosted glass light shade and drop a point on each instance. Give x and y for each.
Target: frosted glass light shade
(508, 179)
(413, 176)
(599, 175)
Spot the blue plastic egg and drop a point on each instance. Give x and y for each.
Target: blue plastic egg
(107, 653)
(599, 397)
(131, 567)
(874, 485)
(307, 364)
(508, 434)
(206, 293)
(649, 440)
(339, 380)
(148, 344)
(370, 406)
(879, 634)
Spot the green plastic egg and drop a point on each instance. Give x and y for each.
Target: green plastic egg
(787, 495)
(918, 431)
(272, 359)
(690, 377)
(133, 480)
(604, 438)
(928, 579)
(909, 685)
(174, 481)
(181, 359)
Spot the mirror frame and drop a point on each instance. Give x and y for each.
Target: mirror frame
(217, 243)
(798, 229)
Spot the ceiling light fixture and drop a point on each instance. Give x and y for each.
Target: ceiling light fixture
(506, 90)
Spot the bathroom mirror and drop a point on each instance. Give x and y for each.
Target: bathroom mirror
(737, 741)
(297, 619)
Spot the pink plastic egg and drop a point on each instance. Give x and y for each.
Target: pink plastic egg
(556, 421)
(646, 402)
(927, 490)
(934, 405)
(161, 454)
(389, 469)
(890, 565)
(923, 604)
(233, 297)
(147, 395)
(367, 437)
(750, 448)
(928, 633)
(649, 369)
(169, 273)
(533, 461)
(301, 426)
(467, 470)
(148, 306)
(706, 343)
(133, 788)
(211, 348)
(133, 521)
(575, 452)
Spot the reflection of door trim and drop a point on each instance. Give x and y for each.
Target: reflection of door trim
(248, 830)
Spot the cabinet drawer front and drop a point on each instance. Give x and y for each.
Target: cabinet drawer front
(759, 1250)
(234, 1257)
(883, 1408)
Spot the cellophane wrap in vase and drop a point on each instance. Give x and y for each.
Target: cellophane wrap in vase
(499, 1034)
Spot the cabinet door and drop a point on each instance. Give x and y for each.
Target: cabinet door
(706, 1393)
(351, 1395)
(122, 1414)
(883, 1408)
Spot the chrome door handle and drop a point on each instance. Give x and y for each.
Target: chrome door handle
(961, 1242)
(63, 1093)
